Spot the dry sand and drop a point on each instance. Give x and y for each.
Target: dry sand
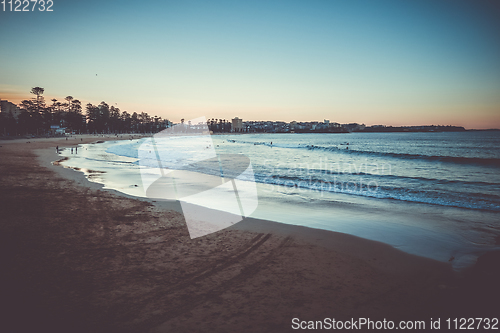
(76, 258)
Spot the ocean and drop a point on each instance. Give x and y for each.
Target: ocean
(431, 194)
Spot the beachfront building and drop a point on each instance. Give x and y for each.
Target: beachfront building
(57, 130)
(354, 127)
(237, 125)
(7, 107)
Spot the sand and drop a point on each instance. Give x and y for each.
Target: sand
(77, 258)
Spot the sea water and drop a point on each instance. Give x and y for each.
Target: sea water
(430, 194)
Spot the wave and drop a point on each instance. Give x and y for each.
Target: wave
(444, 192)
(387, 176)
(476, 201)
(448, 159)
(495, 162)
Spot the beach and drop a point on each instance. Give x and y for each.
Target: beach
(77, 258)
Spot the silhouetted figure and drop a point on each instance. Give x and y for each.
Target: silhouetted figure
(76, 150)
(57, 149)
(71, 150)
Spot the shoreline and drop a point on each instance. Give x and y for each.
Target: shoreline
(407, 231)
(321, 236)
(118, 263)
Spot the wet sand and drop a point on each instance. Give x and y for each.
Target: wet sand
(76, 258)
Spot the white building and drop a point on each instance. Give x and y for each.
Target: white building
(237, 125)
(7, 107)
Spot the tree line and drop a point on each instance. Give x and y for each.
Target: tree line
(36, 117)
(219, 126)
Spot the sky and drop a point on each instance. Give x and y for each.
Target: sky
(374, 62)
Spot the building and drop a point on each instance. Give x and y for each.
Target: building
(354, 127)
(237, 125)
(57, 130)
(7, 107)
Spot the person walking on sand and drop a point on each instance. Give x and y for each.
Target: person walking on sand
(57, 149)
(76, 150)
(71, 150)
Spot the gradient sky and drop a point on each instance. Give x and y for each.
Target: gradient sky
(373, 62)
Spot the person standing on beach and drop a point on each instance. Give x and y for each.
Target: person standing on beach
(57, 149)
(71, 150)
(76, 150)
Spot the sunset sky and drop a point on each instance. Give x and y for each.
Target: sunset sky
(373, 62)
